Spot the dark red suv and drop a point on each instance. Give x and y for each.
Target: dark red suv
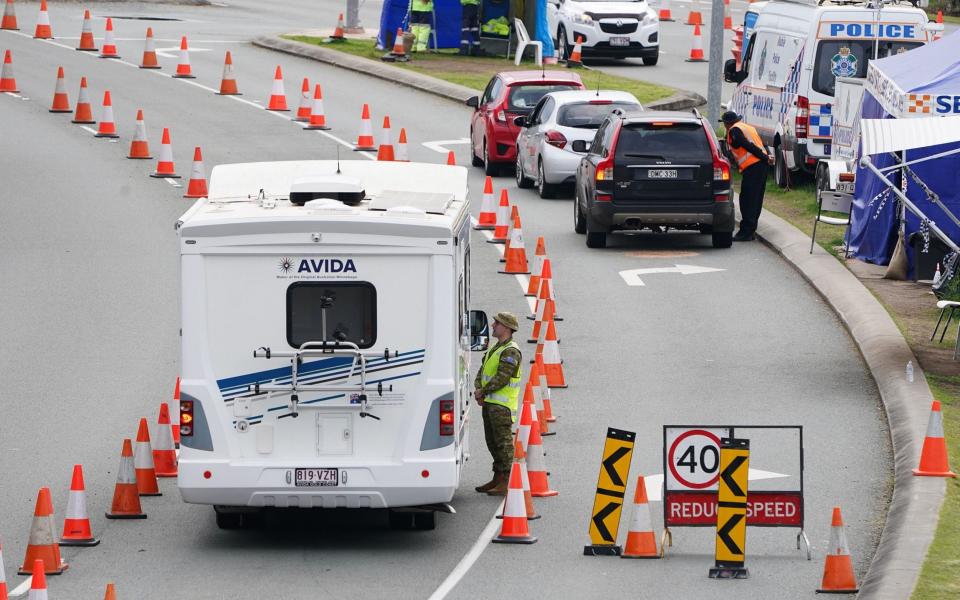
(493, 134)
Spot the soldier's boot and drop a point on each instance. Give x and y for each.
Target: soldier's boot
(501, 484)
(483, 489)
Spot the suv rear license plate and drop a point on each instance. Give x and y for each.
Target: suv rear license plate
(316, 477)
(661, 173)
(619, 41)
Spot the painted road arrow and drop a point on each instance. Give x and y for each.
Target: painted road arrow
(438, 146)
(632, 276)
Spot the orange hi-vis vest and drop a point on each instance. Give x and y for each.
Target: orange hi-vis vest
(743, 156)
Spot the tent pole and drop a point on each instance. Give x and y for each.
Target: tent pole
(919, 160)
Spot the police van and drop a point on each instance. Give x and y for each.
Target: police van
(326, 339)
(796, 51)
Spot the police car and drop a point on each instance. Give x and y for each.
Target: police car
(795, 52)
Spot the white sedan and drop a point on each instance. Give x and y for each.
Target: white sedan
(545, 154)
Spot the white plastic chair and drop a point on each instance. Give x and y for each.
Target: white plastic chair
(523, 40)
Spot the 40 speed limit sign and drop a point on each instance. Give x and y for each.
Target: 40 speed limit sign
(692, 458)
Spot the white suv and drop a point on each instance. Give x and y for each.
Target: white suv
(608, 29)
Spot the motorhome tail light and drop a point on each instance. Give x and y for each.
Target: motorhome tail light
(847, 177)
(186, 417)
(446, 417)
(500, 115)
(802, 122)
(556, 139)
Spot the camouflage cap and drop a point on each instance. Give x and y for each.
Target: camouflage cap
(507, 319)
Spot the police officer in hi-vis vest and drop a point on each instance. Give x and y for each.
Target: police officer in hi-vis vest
(749, 153)
(498, 391)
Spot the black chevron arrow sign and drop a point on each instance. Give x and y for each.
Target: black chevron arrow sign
(728, 473)
(611, 461)
(723, 534)
(602, 514)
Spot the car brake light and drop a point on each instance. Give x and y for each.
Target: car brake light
(446, 417)
(556, 139)
(662, 124)
(186, 417)
(803, 116)
(500, 115)
(601, 102)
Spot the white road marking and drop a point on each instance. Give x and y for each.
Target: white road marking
(654, 483)
(21, 589)
(632, 276)
(438, 146)
(90, 129)
(468, 559)
(172, 182)
(164, 40)
(174, 51)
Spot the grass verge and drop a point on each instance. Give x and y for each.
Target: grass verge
(475, 72)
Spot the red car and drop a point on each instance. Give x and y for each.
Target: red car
(510, 94)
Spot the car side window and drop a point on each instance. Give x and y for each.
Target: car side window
(546, 109)
(487, 91)
(535, 116)
(496, 90)
(596, 147)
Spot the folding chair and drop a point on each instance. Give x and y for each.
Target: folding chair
(832, 202)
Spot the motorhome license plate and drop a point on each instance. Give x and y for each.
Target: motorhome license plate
(661, 173)
(619, 41)
(845, 187)
(316, 477)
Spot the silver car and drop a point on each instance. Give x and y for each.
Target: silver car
(545, 155)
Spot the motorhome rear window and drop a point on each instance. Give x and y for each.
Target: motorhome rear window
(349, 308)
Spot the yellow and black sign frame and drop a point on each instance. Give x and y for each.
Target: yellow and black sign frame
(611, 489)
(731, 547)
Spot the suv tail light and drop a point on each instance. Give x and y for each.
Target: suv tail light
(186, 417)
(556, 139)
(446, 417)
(801, 125)
(721, 170)
(605, 166)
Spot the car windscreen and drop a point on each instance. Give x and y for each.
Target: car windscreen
(665, 141)
(332, 311)
(849, 58)
(588, 115)
(523, 97)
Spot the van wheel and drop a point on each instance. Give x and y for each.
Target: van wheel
(722, 239)
(780, 175)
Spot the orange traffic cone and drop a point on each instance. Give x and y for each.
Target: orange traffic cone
(164, 451)
(503, 219)
(107, 127)
(109, 48)
(528, 421)
(547, 276)
(937, 35)
(197, 187)
(318, 120)
(228, 83)
(278, 97)
(76, 522)
(183, 65)
(533, 383)
(575, 59)
(543, 312)
(521, 457)
(3, 577)
(488, 212)
(641, 540)
(365, 138)
(338, 32)
(727, 19)
(38, 582)
(43, 545)
(933, 457)
(537, 466)
(306, 103)
(451, 158)
(139, 146)
(385, 152)
(516, 253)
(175, 425)
(143, 463)
(397, 51)
(545, 293)
(401, 153)
(9, 21)
(541, 253)
(86, 35)
(694, 17)
(514, 215)
(552, 364)
(165, 167)
(149, 60)
(126, 500)
(61, 103)
(838, 577)
(110, 593)
(545, 398)
(664, 13)
(43, 30)
(8, 83)
(84, 112)
(696, 49)
(514, 529)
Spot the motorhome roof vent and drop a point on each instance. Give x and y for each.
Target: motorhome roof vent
(326, 204)
(347, 190)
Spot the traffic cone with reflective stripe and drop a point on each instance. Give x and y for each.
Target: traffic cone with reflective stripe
(183, 65)
(306, 103)
(545, 398)
(8, 83)
(933, 458)
(43, 545)
(521, 457)
(9, 21)
(503, 219)
(84, 112)
(76, 522)
(488, 212)
(641, 540)
(401, 153)
(109, 48)
(3, 577)
(38, 581)
(365, 137)
(551, 289)
(546, 292)
(696, 49)
(107, 127)
(110, 593)
(537, 466)
(139, 146)
(164, 451)
(528, 421)
(197, 187)
(694, 17)
(838, 577)
(514, 528)
(149, 60)
(541, 253)
(516, 253)
(727, 19)
(126, 500)
(165, 167)
(175, 425)
(575, 59)
(544, 315)
(87, 43)
(43, 30)
(61, 103)
(318, 120)
(533, 383)
(514, 215)
(552, 364)
(385, 151)
(228, 83)
(338, 32)
(664, 13)
(278, 97)
(451, 159)
(143, 463)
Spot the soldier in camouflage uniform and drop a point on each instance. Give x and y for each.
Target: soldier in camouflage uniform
(498, 391)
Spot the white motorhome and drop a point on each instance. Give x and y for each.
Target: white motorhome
(326, 339)
(796, 52)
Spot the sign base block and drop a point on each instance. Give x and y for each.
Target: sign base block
(602, 550)
(729, 573)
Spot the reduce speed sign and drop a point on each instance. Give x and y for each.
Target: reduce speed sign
(693, 458)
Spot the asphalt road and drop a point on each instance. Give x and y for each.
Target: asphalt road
(90, 325)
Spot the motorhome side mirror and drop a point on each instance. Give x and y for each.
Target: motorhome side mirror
(473, 101)
(580, 146)
(730, 71)
(479, 331)
(520, 121)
